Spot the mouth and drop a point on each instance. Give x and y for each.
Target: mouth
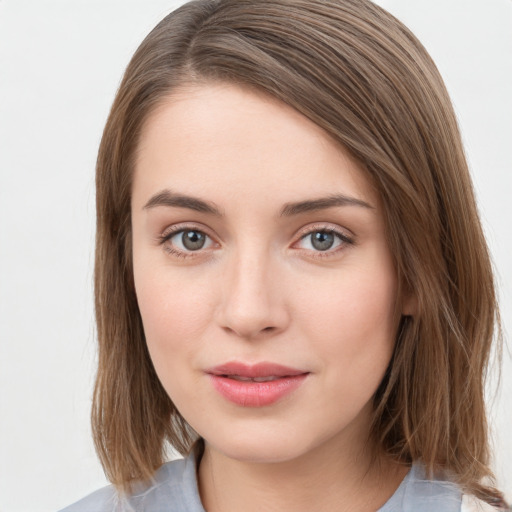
(259, 372)
(256, 385)
(251, 379)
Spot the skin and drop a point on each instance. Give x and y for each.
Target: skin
(260, 290)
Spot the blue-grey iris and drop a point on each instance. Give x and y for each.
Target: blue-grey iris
(322, 241)
(193, 240)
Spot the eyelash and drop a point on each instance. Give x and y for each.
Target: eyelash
(345, 240)
(175, 230)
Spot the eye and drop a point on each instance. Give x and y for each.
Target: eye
(184, 241)
(323, 240)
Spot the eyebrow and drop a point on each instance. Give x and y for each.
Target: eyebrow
(172, 199)
(322, 203)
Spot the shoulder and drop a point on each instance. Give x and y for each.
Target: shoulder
(472, 504)
(100, 500)
(173, 489)
(417, 493)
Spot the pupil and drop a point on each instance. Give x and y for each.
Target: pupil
(322, 240)
(193, 240)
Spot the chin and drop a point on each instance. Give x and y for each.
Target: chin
(258, 453)
(258, 446)
(265, 445)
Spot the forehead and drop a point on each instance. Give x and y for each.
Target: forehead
(221, 138)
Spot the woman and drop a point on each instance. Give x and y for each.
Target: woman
(292, 285)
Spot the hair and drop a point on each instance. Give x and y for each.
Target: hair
(362, 76)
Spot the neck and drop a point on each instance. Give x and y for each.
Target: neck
(324, 479)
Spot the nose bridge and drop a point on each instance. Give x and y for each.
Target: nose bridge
(252, 302)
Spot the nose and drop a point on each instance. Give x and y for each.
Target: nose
(253, 304)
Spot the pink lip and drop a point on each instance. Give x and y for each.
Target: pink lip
(251, 393)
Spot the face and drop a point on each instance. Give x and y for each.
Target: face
(262, 272)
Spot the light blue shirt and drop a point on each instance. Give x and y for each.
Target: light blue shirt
(175, 490)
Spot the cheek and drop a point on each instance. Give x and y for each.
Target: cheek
(355, 330)
(352, 316)
(174, 313)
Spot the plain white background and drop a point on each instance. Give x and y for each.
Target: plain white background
(60, 65)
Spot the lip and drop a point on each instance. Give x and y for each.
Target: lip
(251, 393)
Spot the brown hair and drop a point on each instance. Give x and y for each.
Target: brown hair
(360, 74)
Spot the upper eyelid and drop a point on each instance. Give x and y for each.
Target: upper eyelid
(177, 228)
(312, 228)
